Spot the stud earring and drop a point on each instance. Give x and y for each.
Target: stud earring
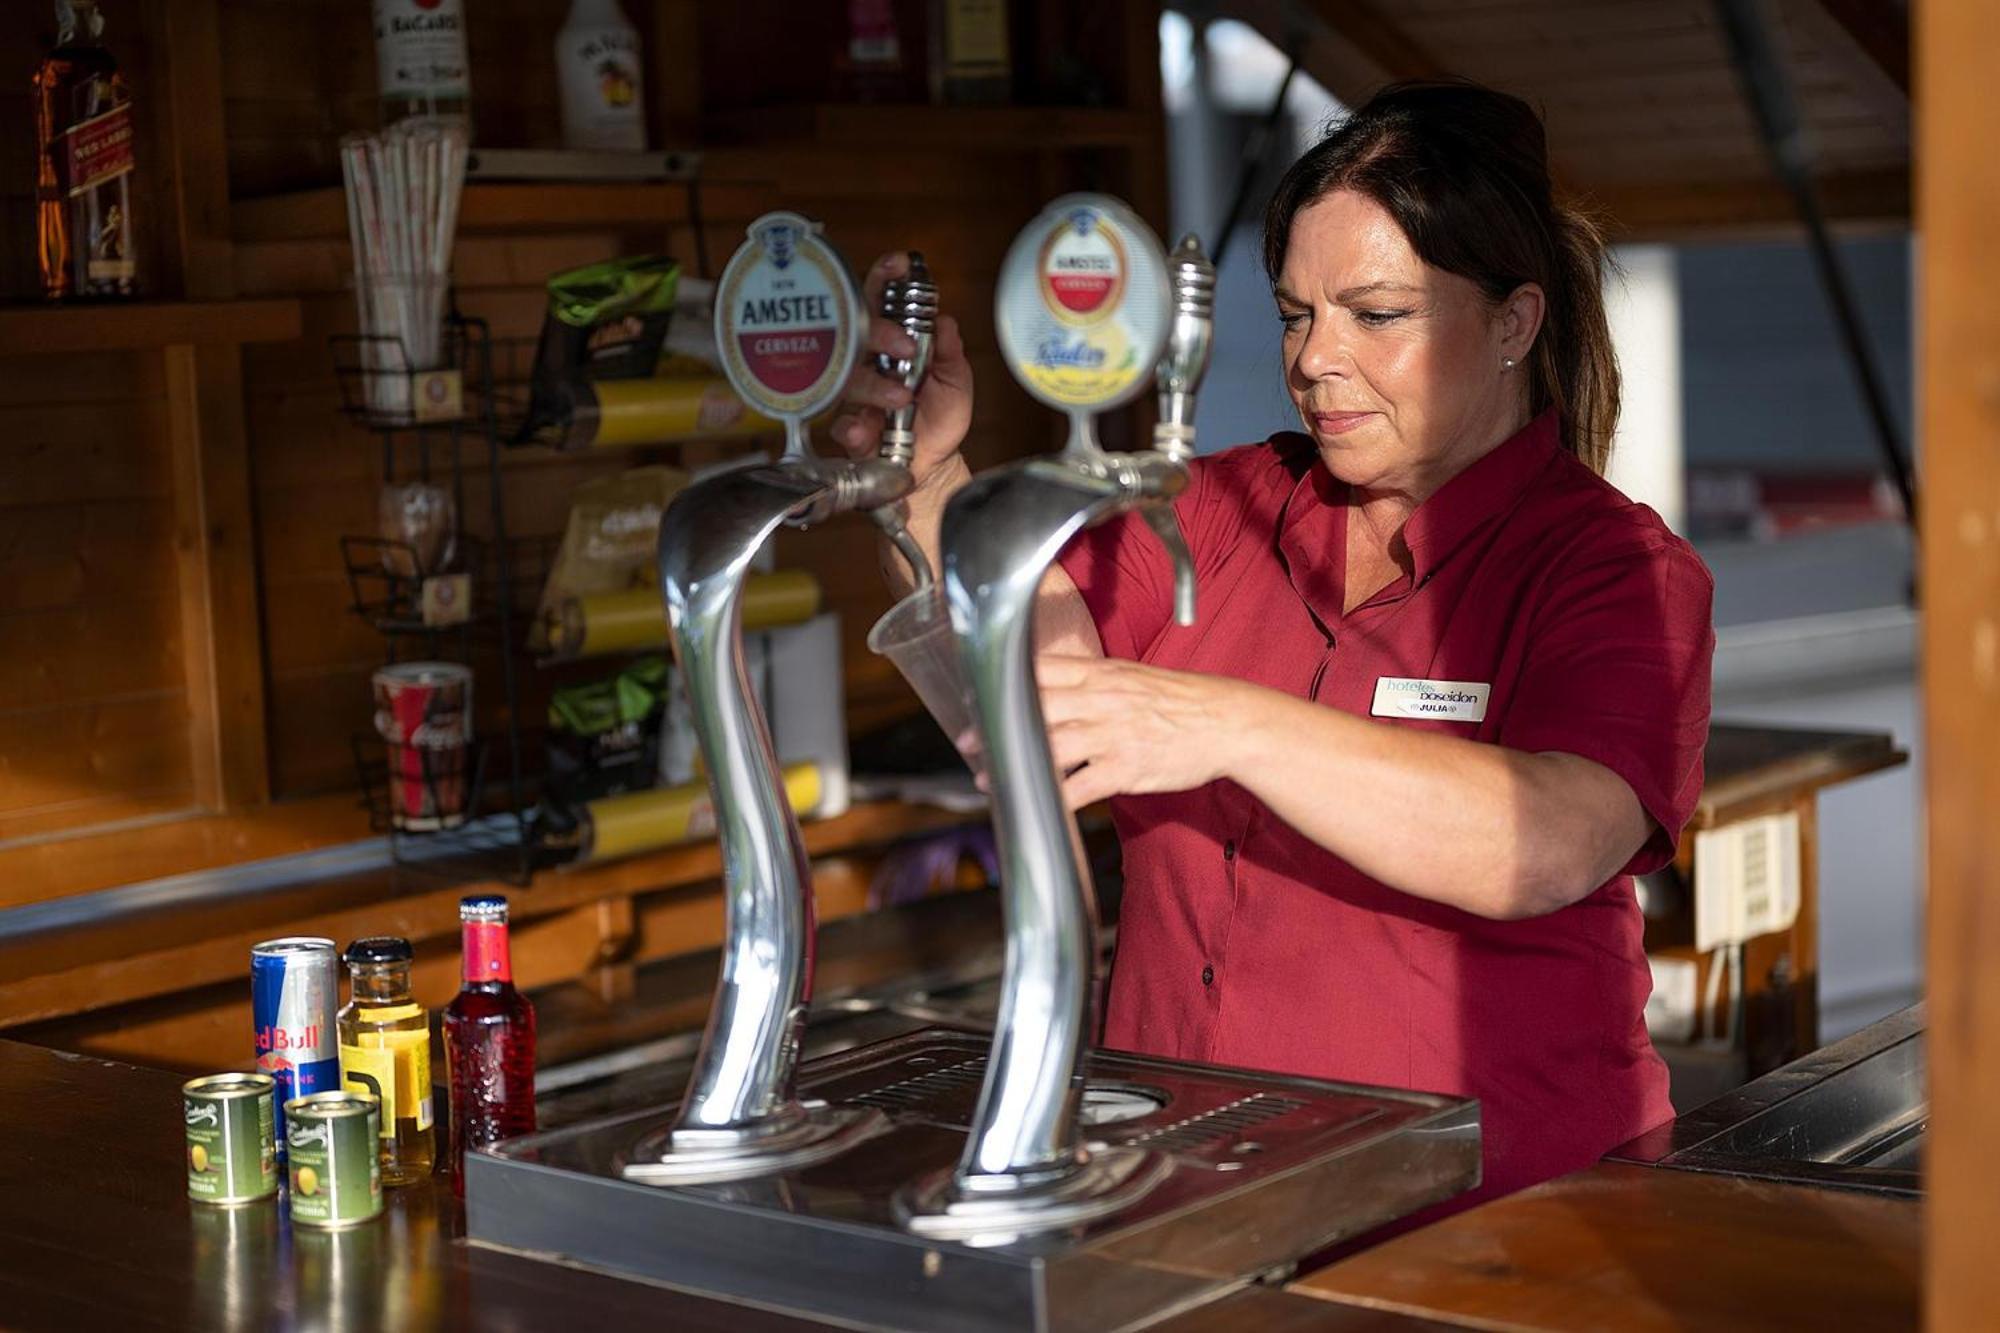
(1506, 363)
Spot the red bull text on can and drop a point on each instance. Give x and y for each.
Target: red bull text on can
(294, 991)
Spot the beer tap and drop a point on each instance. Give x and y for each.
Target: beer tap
(1084, 304)
(789, 325)
(911, 303)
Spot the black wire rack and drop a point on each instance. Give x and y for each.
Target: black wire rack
(385, 579)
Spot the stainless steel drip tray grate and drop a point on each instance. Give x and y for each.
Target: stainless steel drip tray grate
(1265, 1169)
(1223, 1122)
(934, 1093)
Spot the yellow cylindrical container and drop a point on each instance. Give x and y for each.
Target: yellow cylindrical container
(635, 619)
(645, 821)
(612, 414)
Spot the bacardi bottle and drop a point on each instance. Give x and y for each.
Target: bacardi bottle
(421, 68)
(489, 1039)
(83, 181)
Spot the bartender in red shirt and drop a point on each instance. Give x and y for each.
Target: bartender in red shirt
(1380, 807)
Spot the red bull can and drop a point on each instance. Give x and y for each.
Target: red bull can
(294, 991)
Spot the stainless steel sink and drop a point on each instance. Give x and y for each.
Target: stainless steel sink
(1849, 1116)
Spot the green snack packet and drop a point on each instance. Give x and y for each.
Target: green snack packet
(604, 736)
(587, 297)
(605, 321)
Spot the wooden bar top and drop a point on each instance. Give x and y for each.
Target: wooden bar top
(1745, 766)
(1642, 1248)
(96, 1231)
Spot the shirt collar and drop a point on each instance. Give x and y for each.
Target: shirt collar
(1489, 488)
(1313, 528)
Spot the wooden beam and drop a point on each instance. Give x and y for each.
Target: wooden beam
(62, 330)
(1667, 210)
(1881, 30)
(215, 548)
(1369, 31)
(1958, 393)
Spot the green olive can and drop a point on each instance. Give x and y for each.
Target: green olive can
(231, 1156)
(336, 1169)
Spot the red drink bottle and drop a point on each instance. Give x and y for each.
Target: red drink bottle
(489, 1039)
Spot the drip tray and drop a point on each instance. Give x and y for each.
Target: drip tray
(1262, 1170)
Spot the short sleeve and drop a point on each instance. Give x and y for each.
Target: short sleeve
(1125, 574)
(1617, 671)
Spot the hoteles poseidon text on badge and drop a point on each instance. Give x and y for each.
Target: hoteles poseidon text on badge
(1435, 700)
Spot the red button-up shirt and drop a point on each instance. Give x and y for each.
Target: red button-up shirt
(1243, 942)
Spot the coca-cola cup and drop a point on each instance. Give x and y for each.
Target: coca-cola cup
(423, 712)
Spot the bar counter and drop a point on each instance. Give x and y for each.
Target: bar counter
(95, 1225)
(96, 1230)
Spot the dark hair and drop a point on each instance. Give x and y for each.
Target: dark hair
(1464, 171)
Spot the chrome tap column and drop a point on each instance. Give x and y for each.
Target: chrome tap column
(1084, 304)
(789, 324)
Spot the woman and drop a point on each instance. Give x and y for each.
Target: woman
(1448, 691)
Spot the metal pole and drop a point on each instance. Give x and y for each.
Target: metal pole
(1764, 83)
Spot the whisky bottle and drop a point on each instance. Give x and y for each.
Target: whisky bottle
(83, 180)
(385, 1052)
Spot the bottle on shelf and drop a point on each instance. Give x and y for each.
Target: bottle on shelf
(489, 1039)
(970, 61)
(601, 69)
(421, 67)
(385, 1052)
(83, 178)
(872, 63)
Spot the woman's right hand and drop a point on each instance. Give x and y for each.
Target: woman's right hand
(944, 400)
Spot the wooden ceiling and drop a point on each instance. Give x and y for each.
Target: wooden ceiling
(1645, 108)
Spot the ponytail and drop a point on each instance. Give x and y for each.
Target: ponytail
(1575, 367)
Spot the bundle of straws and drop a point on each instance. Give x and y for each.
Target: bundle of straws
(403, 188)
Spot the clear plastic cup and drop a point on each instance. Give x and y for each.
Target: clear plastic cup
(915, 634)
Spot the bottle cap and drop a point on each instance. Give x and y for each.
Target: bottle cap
(380, 949)
(483, 907)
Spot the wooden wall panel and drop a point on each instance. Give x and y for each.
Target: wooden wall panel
(93, 709)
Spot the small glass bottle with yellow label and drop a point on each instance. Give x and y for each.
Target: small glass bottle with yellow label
(385, 1052)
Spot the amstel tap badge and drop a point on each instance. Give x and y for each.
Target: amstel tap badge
(1082, 304)
(787, 319)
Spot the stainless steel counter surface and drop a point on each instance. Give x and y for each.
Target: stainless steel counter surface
(1848, 1116)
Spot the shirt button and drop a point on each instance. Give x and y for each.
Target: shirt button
(1229, 850)
(1207, 976)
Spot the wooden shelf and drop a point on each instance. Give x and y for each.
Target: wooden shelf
(972, 128)
(734, 183)
(80, 968)
(510, 206)
(120, 326)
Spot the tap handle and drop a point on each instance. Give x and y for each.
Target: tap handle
(1166, 526)
(910, 301)
(1189, 340)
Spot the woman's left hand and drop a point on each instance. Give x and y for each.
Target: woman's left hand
(1122, 729)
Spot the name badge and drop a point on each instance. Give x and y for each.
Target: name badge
(1442, 700)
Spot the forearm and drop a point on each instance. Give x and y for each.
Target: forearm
(1062, 621)
(1497, 832)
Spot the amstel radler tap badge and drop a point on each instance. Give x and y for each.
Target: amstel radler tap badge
(787, 319)
(1083, 303)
